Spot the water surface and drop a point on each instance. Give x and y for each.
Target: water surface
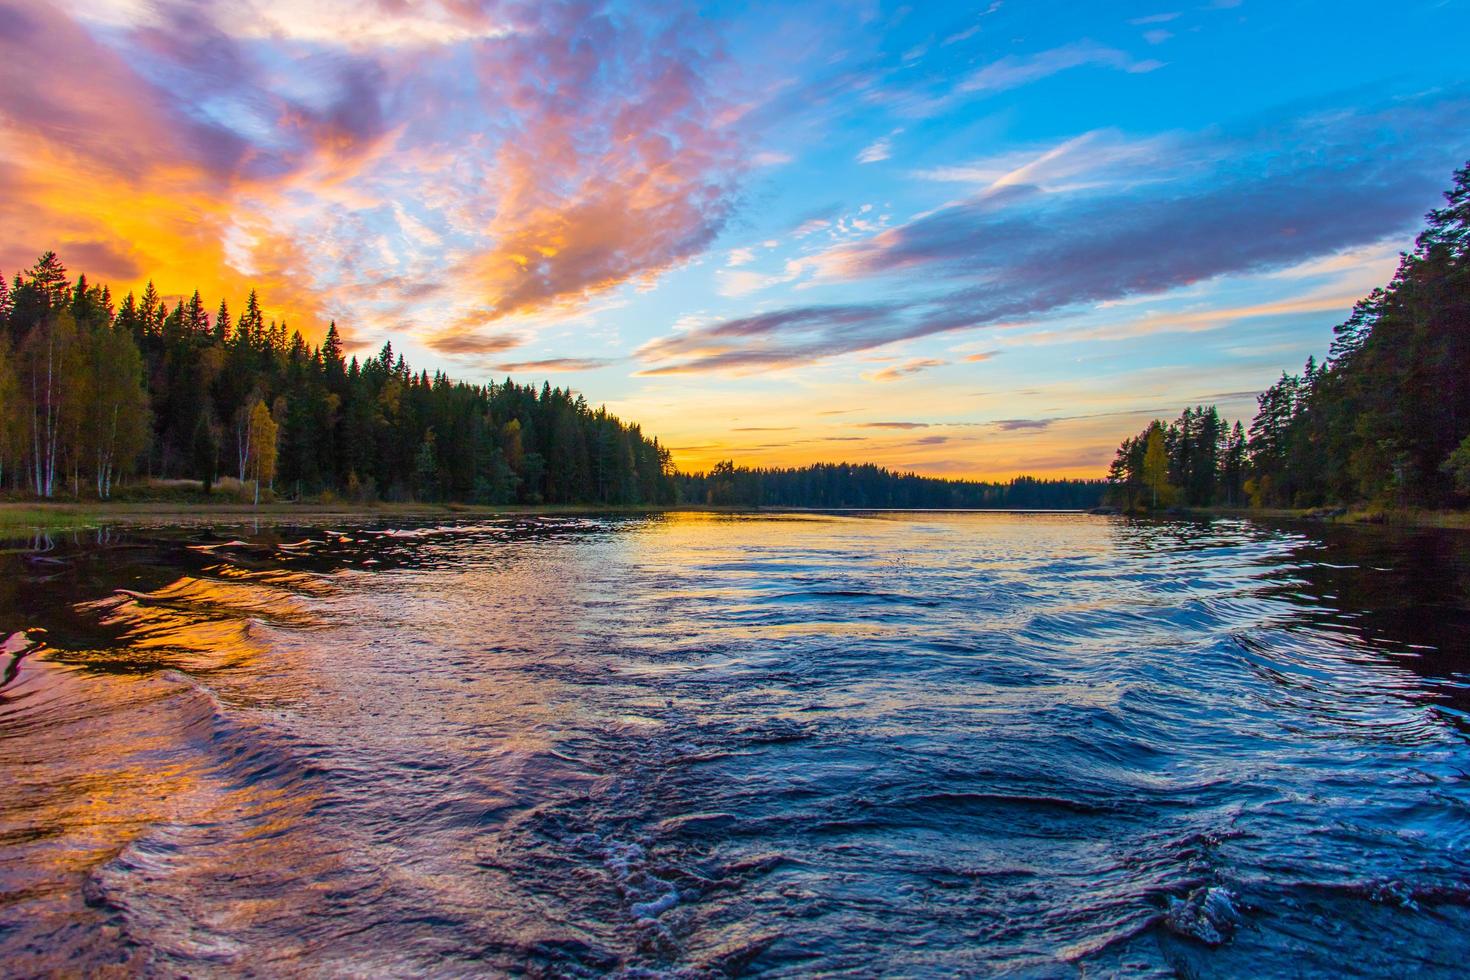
(918, 744)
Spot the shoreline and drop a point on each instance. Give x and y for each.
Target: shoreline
(1406, 517)
(70, 515)
(16, 516)
(50, 516)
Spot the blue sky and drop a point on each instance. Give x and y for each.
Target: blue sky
(965, 240)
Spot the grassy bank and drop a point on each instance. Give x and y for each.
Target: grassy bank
(24, 517)
(1380, 516)
(1456, 519)
(31, 517)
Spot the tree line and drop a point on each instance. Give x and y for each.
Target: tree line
(1384, 420)
(91, 393)
(1196, 460)
(864, 485)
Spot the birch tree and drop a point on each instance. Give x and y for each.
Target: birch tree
(11, 406)
(243, 428)
(262, 440)
(1156, 463)
(43, 362)
(118, 420)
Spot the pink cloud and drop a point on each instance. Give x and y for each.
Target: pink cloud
(614, 169)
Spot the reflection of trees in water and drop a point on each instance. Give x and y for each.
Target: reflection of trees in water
(46, 576)
(1404, 591)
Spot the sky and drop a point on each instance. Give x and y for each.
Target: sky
(964, 240)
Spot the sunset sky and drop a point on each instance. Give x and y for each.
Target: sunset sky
(967, 241)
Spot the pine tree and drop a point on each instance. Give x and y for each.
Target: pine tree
(222, 323)
(426, 469)
(92, 392)
(196, 320)
(151, 311)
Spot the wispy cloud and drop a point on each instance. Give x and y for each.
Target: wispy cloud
(369, 159)
(643, 177)
(763, 340)
(877, 151)
(457, 343)
(973, 29)
(1163, 18)
(1013, 71)
(1236, 203)
(743, 282)
(904, 370)
(175, 159)
(1087, 162)
(553, 365)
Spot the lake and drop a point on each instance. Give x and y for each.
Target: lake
(925, 744)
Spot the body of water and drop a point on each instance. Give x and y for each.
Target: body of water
(915, 744)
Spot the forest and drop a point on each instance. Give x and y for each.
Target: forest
(868, 486)
(92, 393)
(1383, 421)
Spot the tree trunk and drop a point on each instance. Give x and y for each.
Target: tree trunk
(35, 439)
(50, 415)
(242, 444)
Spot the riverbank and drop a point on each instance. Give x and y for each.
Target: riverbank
(1393, 517)
(18, 517)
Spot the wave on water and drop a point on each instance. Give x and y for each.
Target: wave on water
(693, 745)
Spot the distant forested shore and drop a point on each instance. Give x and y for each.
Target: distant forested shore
(864, 485)
(1384, 421)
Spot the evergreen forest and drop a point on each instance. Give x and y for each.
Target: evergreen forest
(1383, 421)
(93, 393)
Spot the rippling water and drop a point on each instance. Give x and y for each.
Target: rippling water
(697, 744)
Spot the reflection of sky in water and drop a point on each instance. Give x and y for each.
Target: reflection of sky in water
(922, 743)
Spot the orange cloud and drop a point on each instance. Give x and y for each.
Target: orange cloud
(911, 366)
(584, 155)
(102, 166)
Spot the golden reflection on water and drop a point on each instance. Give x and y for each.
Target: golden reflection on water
(118, 765)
